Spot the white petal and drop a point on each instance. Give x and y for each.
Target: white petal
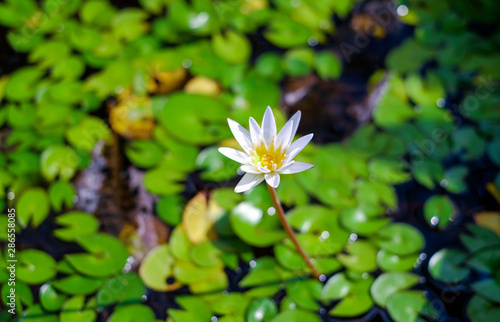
(296, 167)
(250, 169)
(268, 127)
(286, 166)
(235, 155)
(297, 146)
(264, 170)
(273, 179)
(241, 135)
(255, 132)
(248, 181)
(285, 135)
(296, 120)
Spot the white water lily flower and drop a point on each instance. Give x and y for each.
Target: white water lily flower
(266, 154)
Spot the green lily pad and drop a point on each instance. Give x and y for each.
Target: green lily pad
(37, 314)
(296, 315)
(233, 47)
(389, 283)
(74, 311)
(306, 293)
(481, 237)
(328, 65)
(181, 112)
(439, 210)
(87, 133)
(156, 267)
(22, 116)
(269, 65)
(265, 271)
(33, 206)
(480, 309)
(360, 221)
(144, 154)
(206, 254)
(49, 53)
(400, 239)
(354, 294)
(59, 160)
(50, 299)
(22, 296)
(230, 303)
(448, 265)
(121, 288)
(21, 85)
(361, 257)
(389, 261)
(35, 267)
(409, 305)
(263, 309)
(195, 308)
(455, 179)
(254, 227)
(486, 260)
(388, 170)
(169, 183)
(107, 255)
(288, 257)
(61, 194)
(78, 284)
(286, 33)
(489, 288)
(77, 224)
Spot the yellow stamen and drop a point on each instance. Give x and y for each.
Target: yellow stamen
(270, 159)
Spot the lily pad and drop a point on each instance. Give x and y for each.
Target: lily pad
(361, 257)
(77, 224)
(448, 265)
(156, 267)
(263, 309)
(254, 226)
(59, 160)
(61, 194)
(389, 283)
(121, 288)
(181, 113)
(35, 267)
(50, 299)
(409, 306)
(400, 239)
(439, 210)
(107, 255)
(78, 285)
(33, 206)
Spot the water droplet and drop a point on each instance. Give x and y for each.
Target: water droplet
(312, 41)
(325, 235)
(353, 237)
(11, 195)
(434, 221)
(444, 183)
(441, 102)
(322, 278)
(186, 63)
(402, 10)
(252, 263)
(322, 310)
(214, 318)
(423, 256)
(259, 314)
(271, 211)
(365, 275)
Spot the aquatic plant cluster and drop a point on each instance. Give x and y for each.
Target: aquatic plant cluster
(400, 218)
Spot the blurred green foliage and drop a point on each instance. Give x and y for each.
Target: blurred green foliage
(176, 70)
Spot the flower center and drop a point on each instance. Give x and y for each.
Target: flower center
(271, 159)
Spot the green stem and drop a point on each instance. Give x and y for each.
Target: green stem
(290, 232)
